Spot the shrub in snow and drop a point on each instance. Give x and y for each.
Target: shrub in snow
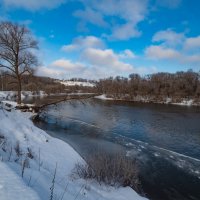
(30, 153)
(1, 137)
(115, 170)
(3, 144)
(53, 184)
(25, 164)
(18, 149)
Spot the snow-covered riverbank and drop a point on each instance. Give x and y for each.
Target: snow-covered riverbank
(183, 102)
(10, 95)
(23, 144)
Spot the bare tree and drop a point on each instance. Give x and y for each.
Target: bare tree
(16, 43)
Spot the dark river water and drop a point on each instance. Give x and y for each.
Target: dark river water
(164, 139)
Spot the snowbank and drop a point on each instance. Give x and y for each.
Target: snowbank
(7, 95)
(22, 143)
(10, 95)
(103, 97)
(146, 99)
(185, 103)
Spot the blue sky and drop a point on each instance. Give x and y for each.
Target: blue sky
(96, 39)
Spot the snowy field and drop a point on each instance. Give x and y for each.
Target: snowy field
(28, 160)
(79, 83)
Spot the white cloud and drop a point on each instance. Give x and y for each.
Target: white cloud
(96, 64)
(169, 37)
(192, 58)
(33, 4)
(174, 47)
(106, 58)
(127, 53)
(93, 64)
(84, 42)
(101, 13)
(162, 53)
(90, 16)
(49, 72)
(95, 61)
(158, 52)
(124, 32)
(66, 64)
(62, 69)
(192, 43)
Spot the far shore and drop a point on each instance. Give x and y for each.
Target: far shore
(168, 101)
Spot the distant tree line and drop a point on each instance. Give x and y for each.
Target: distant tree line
(155, 87)
(37, 83)
(30, 83)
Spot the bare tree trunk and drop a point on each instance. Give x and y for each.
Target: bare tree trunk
(19, 101)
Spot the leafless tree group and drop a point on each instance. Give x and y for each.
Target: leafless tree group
(159, 86)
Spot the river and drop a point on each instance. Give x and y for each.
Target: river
(165, 140)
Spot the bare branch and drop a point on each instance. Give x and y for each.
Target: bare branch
(3, 66)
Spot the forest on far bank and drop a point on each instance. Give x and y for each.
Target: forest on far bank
(156, 87)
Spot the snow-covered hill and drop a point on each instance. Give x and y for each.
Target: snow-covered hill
(23, 144)
(79, 83)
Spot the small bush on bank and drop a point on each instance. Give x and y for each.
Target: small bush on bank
(115, 170)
